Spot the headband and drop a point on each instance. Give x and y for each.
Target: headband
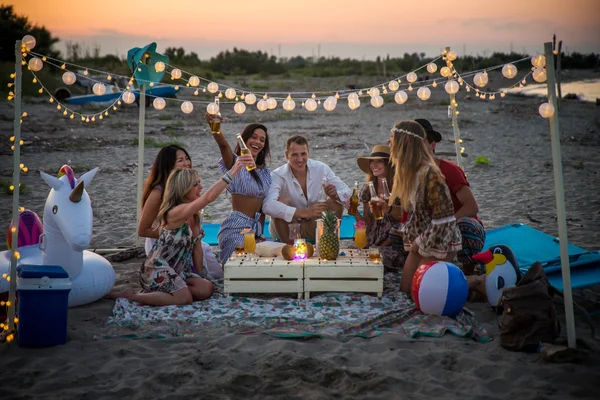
(397, 130)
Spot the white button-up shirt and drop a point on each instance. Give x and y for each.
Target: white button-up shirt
(284, 185)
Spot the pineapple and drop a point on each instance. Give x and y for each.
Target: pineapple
(329, 242)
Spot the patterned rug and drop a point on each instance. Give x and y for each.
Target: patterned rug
(331, 315)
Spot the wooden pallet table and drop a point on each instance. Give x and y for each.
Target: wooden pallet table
(349, 273)
(263, 275)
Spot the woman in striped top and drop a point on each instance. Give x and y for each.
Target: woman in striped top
(248, 189)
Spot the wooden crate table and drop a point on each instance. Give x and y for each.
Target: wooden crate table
(349, 273)
(263, 275)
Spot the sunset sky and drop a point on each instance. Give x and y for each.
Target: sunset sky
(345, 28)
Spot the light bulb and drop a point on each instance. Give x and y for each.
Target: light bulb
(411, 77)
(250, 99)
(159, 66)
(289, 104)
(431, 68)
(99, 89)
(538, 61)
(539, 75)
(310, 104)
(434, 84)
(353, 95)
(176, 73)
(393, 86)
(69, 78)
(546, 110)
(330, 103)
(212, 108)
(451, 87)
(35, 64)
(401, 97)
(230, 93)
(159, 103)
(445, 72)
(128, 97)
(480, 79)
(424, 93)
(262, 105)
(187, 107)
(271, 103)
(509, 71)
(194, 81)
(377, 101)
(353, 102)
(212, 87)
(239, 107)
(374, 92)
(29, 42)
(451, 55)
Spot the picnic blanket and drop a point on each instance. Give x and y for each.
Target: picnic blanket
(329, 315)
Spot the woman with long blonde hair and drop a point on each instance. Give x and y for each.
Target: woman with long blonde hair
(166, 276)
(429, 229)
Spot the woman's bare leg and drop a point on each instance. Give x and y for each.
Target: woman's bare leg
(180, 297)
(201, 289)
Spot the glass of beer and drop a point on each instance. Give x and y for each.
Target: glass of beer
(215, 126)
(374, 254)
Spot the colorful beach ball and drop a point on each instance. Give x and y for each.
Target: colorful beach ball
(30, 229)
(439, 288)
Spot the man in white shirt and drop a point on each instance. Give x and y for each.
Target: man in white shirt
(296, 192)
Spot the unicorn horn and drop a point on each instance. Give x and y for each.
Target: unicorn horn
(75, 195)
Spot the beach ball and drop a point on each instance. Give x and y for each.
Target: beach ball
(29, 231)
(439, 288)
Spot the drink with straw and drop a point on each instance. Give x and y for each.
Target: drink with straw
(353, 209)
(245, 151)
(376, 209)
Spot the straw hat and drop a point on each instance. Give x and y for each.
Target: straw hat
(379, 152)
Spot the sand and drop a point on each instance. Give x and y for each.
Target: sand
(517, 186)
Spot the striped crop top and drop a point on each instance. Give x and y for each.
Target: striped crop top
(244, 183)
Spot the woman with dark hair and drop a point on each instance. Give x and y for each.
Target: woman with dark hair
(248, 189)
(167, 159)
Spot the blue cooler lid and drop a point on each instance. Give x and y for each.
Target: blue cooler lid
(27, 271)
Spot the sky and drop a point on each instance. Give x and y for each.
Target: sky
(341, 28)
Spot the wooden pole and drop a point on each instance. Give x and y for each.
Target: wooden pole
(558, 74)
(12, 291)
(140, 170)
(560, 196)
(453, 106)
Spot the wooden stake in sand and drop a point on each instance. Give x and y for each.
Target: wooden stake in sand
(560, 196)
(12, 291)
(140, 170)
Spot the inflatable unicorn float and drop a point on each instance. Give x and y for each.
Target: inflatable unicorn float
(66, 233)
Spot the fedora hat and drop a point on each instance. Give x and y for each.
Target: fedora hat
(432, 135)
(379, 152)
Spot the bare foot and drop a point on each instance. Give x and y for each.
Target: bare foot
(117, 294)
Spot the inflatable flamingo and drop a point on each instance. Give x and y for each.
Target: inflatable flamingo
(67, 232)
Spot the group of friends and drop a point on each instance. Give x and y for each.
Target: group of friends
(431, 214)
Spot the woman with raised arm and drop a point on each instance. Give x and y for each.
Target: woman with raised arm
(249, 187)
(166, 276)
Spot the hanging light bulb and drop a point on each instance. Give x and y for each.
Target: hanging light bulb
(337, 95)
(99, 89)
(445, 72)
(411, 77)
(353, 102)
(377, 101)
(451, 55)
(69, 78)
(29, 42)
(250, 99)
(262, 105)
(410, 88)
(434, 84)
(539, 75)
(212, 87)
(330, 103)
(35, 64)
(373, 92)
(289, 104)
(310, 104)
(451, 87)
(187, 107)
(239, 107)
(424, 93)
(159, 103)
(431, 68)
(353, 95)
(271, 103)
(230, 93)
(401, 97)
(159, 66)
(128, 97)
(546, 110)
(509, 71)
(212, 108)
(393, 85)
(175, 73)
(194, 81)
(538, 61)
(480, 79)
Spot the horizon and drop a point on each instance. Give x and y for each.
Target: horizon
(345, 29)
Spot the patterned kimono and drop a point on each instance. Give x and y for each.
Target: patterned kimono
(430, 221)
(169, 263)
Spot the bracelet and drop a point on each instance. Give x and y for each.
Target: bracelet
(228, 175)
(226, 179)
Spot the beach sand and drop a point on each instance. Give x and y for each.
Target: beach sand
(517, 186)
